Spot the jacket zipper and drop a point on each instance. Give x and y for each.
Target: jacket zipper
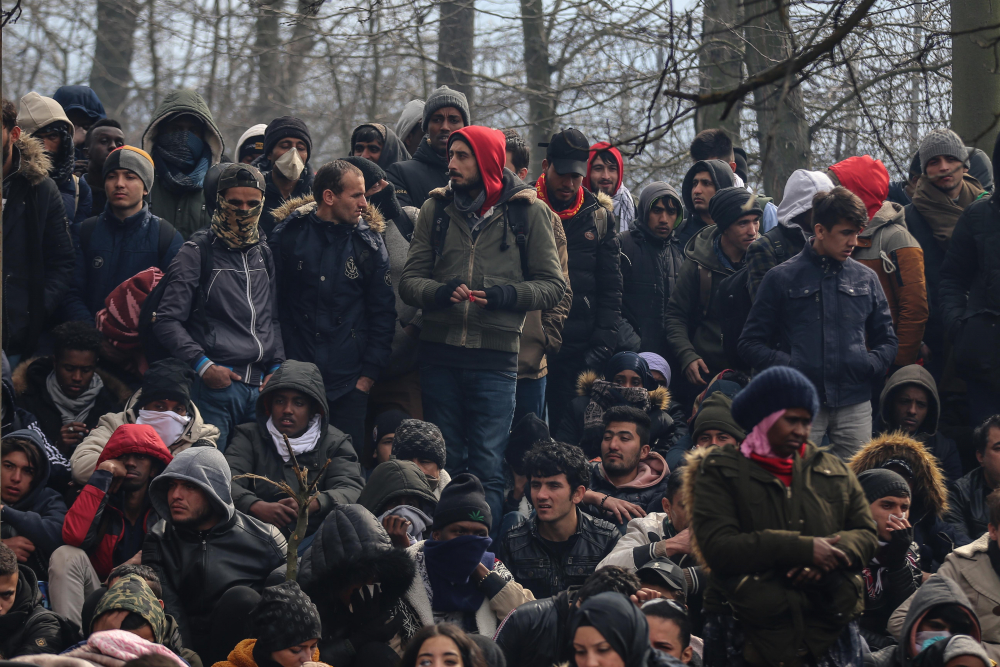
(253, 311)
(468, 304)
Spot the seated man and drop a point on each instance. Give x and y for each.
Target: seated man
(204, 546)
(422, 443)
(163, 402)
(64, 391)
(629, 480)
(669, 629)
(398, 494)
(459, 580)
(31, 514)
(110, 518)
(292, 405)
(540, 549)
(969, 513)
(130, 605)
(378, 447)
(892, 576)
(26, 627)
(713, 423)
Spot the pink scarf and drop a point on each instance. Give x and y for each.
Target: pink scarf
(756, 441)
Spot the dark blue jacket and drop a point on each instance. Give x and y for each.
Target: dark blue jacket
(115, 251)
(83, 206)
(821, 312)
(336, 309)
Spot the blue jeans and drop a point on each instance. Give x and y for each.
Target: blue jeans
(530, 398)
(225, 408)
(473, 409)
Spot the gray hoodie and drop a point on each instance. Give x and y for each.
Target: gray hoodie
(204, 466)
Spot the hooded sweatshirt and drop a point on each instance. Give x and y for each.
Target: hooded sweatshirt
(867, 178)
(489, 147)
(722, 176)
(392, 480)
(412, 115)
(624, 206)
(393, 150)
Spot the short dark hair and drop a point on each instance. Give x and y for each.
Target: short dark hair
(611, 578)
(134, 621)
(366, 133)
(981, 436)
(839, 204)
(9, 112)
(331, 177)
(669, 203)
(675, 481)
(9, 445)
(144, 572)
(954, 616)
(104, 122)
(607, 157)
(469, 651)
(80, 336)
(671, 611)
(8, 561)
(630, 415)
(520, 156)
(548, 459)
(712, 144)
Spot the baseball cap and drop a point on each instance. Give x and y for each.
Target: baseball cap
(568, 151)
(664, 572)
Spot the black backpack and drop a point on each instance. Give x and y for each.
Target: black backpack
(515, 218)
(734, 291)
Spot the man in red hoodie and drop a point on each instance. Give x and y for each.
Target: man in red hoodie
(605, 173)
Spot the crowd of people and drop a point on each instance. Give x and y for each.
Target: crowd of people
(412, 407)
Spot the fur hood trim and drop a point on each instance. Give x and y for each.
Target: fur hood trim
(19, 378)
(659, 398)
(693, 460)
(306, 204)
(605, 201)
(35, 162)
(926, 470)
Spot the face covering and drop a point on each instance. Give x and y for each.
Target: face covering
(450, 565)
(930, 637)
(290, 165)
(168, 425)
(237, 228)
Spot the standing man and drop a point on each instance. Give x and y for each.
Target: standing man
(831, 320)
(590, 333)
(251, 144)
(445, 112)
(702, 181)
(483, 253)
(605, 173)
(285, 165)
(410, 127)
(84, 109)
(335, 299)
(103, 137)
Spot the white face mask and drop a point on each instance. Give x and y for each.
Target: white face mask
(168, 425)
(290, 165)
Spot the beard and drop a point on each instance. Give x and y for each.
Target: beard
(620, 466)
(472, 184)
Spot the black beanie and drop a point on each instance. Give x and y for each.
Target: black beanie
(371, 171)
(879, 483)
(387, 423)
(168, 379)
(284, 617)
(729, 204)
(777, 388)
(462, 500)
(284, 127)
(526, 432)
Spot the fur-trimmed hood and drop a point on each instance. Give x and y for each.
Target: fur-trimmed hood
(34, 162)
(692, 466)
(604, 200)
(301, 206)
(659, 398)
(928, 480)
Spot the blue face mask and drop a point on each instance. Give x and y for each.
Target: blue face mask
(930, 637)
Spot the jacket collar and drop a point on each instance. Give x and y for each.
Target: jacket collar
(133, 220)
(825, 263)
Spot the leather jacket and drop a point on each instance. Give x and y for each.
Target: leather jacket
(968, 513)
(535, 634)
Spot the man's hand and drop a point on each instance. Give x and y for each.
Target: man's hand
(364, 384)
(135, 560)
(219, 377)
(894, 552)
(73, 433)
(826, 556)
(623, 510)
(277, 514)
(313, 506)
(644, 595)
(396, 527)
(111, 620)
(803, 576)
(480, 296)
(695, 372)
(678, 544)
(118, 472)
(264, 383)
(460, 294)
(520, 482)
(21, 546)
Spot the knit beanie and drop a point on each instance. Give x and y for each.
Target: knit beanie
(252, 141)
(879, 483)
(657, 363)
(960, 645)
(131, 593)
(284, 617)
(371, 171)
(167, 379)
(462, 500)
(284, 127)
(417, 439)
(777, 388)
(715, 413)
(135, 160)
(942, 141)
(526, 432)
(729, 204)
(445, 97)
(387, 423)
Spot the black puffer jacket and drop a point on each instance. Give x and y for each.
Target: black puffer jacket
(649, 271)
(415, 178)
(351, 548)
(535, 634)
(523, 553)
(967, 511)
(28, 628)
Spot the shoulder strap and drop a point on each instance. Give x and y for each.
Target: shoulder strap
(87, 231)
(202, 239)
(777, 238)
(265, 250)
(705, 288)
(439, 229)
(517, 217)
(164, 240)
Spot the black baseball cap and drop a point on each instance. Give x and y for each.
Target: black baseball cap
(664, 572)
(568, 151)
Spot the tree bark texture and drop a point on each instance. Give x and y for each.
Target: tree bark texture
(975, 88)
(110, 75)
(270, 98)
(541, 99)
(720, 63)
(456, 46)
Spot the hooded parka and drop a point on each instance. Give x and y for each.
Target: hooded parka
(393, 480)
(722, 176)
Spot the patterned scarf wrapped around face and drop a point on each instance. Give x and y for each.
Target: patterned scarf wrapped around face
(63, 161)
(235, 227)
(605, 395)
(541, 189)
(182, 159)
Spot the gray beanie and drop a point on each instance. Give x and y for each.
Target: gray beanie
(445, 97)
(960, 645)
(417, 439)
(942, 141)
(135, 160)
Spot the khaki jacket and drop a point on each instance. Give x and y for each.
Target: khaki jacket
(542, 332)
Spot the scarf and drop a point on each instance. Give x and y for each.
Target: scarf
(300, 445)
(450, 565)
(624, 208)
(604, 395)
(182, 159)
(541, 191)
(469, 208)
(757, 448)
(940, 212)
(235, 227)
(169, 425)
(63, 161)
(74, 409)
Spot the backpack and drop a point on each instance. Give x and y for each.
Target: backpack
(163, 242)
(734, 290)
(197, 319)
(515, 218)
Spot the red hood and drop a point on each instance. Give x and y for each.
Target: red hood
(600, 147)
(135, 439)
(490, 149)
(865, 177)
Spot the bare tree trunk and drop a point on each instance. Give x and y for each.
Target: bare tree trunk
(216, 37)
(915, 78)
(301, 45)
(456, 46)
(975, 88)
(783, 133)
(154, 58)
(720, 63)
(113, 47)
(538, 70)
(270, 101)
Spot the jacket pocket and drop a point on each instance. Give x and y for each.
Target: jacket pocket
(854, 302)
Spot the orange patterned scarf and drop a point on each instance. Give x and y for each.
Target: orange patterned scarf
(563, 215)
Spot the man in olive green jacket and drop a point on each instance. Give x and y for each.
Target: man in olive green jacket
(482, 255)
(784, 530)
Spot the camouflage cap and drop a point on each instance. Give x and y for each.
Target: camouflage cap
(131, 593)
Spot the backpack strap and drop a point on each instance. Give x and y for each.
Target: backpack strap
(517, 218)
(705, 288)
(86, 231)
(203, 240)
(165, 239)
(439, 230)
